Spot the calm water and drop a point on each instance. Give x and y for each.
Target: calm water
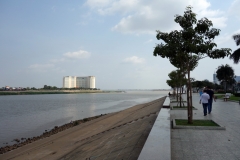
(30, 115)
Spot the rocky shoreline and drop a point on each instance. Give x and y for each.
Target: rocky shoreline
(24, 141)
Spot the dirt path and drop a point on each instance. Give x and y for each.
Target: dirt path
(119, 135)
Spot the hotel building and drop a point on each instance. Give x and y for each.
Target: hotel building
(78, 82)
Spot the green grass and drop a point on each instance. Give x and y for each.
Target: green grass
(232, 97)
(184, 122)
(219, 95)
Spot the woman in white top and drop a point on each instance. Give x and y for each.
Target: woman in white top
(204, 100)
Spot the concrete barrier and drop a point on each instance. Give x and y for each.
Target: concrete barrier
(166, 103)
(158, 143)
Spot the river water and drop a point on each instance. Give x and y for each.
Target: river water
(24, 116)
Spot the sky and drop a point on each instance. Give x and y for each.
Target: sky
(113, 40)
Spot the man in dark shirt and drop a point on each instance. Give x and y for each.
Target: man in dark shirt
(210, 101)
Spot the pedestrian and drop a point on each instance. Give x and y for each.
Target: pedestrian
(204, 100)
(169, 94)
(212, 97)
(200, 93)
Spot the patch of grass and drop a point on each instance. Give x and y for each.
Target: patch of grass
(184, 122)
(232, 97)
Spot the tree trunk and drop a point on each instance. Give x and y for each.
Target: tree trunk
(177, 94)
(190, 115)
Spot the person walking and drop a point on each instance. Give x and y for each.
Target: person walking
(204, 100)
(200, 93)
(210, 101)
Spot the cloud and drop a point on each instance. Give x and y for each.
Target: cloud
(134, 60)
(234, 9)
(145, 17)
(58, 60)
(98, 3)
(237, 32)
(149, 41)
(69, 56)
(41, 67)
(77, 55)
(226, 40)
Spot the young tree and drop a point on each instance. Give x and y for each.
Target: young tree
(225, 74)
(177, 80)
(193, 42)
(236, 54)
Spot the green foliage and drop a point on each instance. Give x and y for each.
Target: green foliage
(75, 123)
(195, 37)
(226, 75)
(201, 84)
(237, 95)
(236, 54)
(85, 119)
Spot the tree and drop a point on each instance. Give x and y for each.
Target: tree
(188, 45)
(177, 80)
(207, 83)
(226, 75)
(197, 85)
(236, 54)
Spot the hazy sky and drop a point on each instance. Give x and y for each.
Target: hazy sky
(43, 41)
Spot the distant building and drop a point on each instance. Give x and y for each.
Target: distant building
(215, 79)
(78, 82)
(237, 79)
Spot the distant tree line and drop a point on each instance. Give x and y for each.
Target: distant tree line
(46, 87)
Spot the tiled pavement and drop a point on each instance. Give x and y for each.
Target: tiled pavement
(208, 144)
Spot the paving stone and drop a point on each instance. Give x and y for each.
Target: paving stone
(209, 144)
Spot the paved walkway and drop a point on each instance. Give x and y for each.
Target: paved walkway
(208, 144)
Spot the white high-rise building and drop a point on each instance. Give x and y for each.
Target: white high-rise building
(78, 82)
(215, 79)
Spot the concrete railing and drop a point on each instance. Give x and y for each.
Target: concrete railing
(166, 103)
(158, 143)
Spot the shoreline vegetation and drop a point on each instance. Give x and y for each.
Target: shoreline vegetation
(34, 92)
(19, 142)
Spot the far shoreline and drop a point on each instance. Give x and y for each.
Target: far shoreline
(6, 93)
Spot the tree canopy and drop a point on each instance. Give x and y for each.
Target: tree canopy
(225, 74)
(177, 79)
(236, 54)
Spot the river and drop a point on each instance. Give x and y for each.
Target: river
(24, 116)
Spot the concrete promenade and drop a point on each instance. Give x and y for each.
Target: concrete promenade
(190, 144)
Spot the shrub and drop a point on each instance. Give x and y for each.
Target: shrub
(237, 94)
(75, 123)
(85, 119)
